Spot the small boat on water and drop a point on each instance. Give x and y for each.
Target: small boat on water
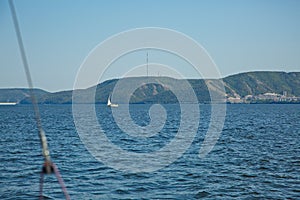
(8, 103)
(109, 104)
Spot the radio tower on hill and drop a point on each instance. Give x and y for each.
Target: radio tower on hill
(147, 65)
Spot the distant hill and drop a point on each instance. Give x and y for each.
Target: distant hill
(255, 83)
(19, 94)
(239, 85)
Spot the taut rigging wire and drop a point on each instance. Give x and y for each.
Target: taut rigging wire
(48, 167)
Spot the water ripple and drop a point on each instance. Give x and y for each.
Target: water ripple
(256, 157)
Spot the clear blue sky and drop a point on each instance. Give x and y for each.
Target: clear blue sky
(239, 35)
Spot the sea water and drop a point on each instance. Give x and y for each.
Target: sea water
(256, 157)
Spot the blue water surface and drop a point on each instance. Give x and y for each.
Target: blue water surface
(256, 157)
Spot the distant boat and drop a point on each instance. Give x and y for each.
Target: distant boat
(109, 104)
(8, 103)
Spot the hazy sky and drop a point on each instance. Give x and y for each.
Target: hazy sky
(58, 35)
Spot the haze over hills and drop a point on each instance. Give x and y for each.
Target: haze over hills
(243, 87)
(18, 94)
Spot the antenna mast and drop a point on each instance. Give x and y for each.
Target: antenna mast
(147, 65)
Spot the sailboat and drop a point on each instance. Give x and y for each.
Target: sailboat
(109, 104)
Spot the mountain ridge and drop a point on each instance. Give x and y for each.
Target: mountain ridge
(237, 86)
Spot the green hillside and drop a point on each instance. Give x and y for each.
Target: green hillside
(255, 83)
(159, 89)
(19, 94)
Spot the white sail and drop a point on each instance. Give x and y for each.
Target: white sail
(109, 104)
(108, 101)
